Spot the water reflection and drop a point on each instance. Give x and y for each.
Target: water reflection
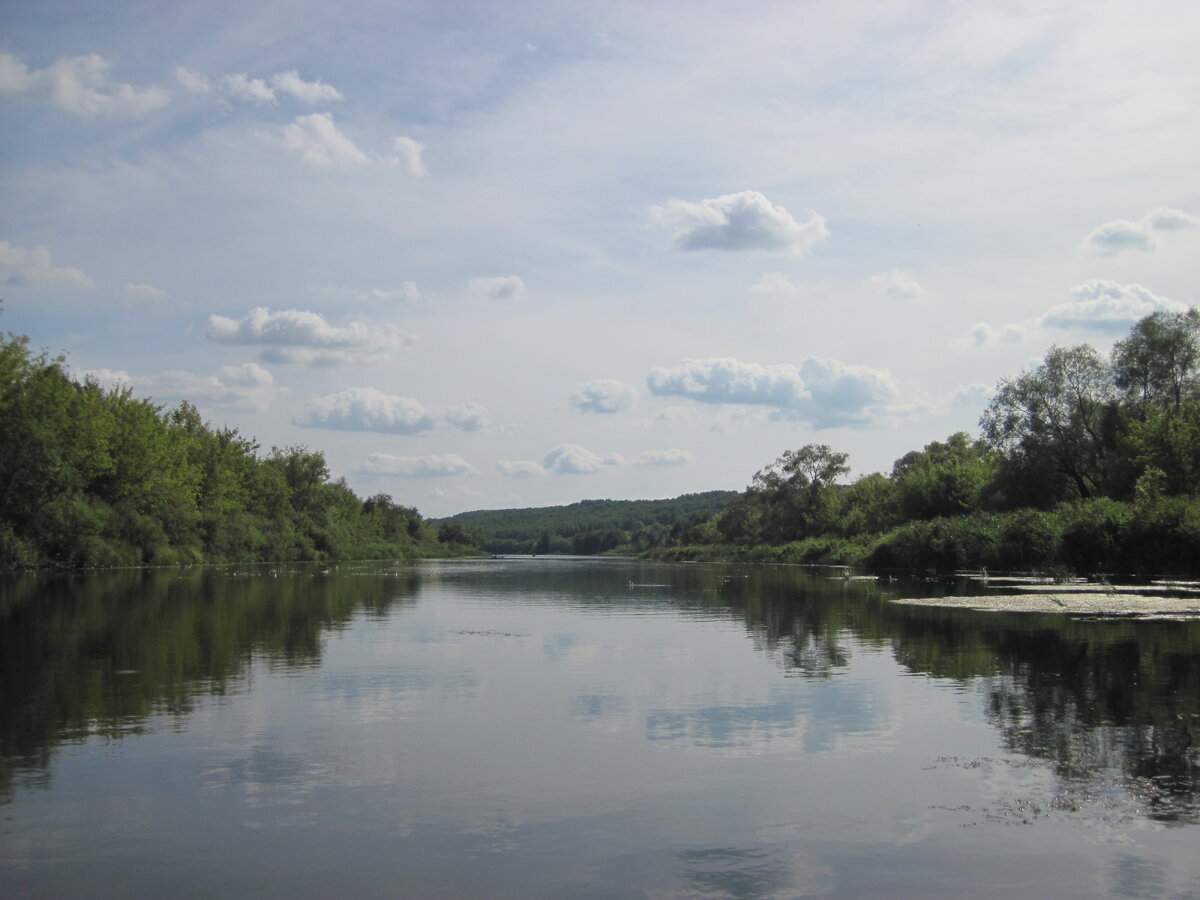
(455, 697)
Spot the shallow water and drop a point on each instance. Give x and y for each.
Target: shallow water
(583, 728)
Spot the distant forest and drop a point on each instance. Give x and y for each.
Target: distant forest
(591, 526)
(1084, 465)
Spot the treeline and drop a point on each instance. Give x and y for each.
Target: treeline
(96, 477)
(585, 528)
(1084, 465)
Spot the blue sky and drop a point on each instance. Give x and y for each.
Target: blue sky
(511, 254)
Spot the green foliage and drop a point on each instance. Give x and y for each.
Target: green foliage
(593, 526)
(90, 477)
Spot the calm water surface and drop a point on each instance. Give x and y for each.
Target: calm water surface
(583, 728)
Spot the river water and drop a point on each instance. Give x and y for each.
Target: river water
(583, 728)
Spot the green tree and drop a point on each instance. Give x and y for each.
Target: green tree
(1061, 412)
(1159, 363)
(945, 479)
(791, 492)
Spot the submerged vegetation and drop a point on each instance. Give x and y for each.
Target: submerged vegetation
(95, 477)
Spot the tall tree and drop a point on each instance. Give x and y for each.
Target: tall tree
(1159, 363)
(1060, 411)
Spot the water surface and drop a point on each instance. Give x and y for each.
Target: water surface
(583, 728)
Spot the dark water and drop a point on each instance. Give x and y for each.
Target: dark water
(568, 728)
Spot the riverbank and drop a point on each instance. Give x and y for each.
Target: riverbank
(1157, 600)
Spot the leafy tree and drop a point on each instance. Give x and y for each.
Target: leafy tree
(1159, 363)
(1060, 412)
(945, 479)
(791, 492)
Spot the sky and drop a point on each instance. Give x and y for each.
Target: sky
(508, 254)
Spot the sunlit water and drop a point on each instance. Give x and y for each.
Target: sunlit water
(583, 728)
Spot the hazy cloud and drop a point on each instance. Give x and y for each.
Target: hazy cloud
(1112, 237)
(310, 92)
(146, 292)
(82, 85)
(498, 287)
(1103, 305)
(369, 409)
(776, 284)
(971, 395)
(243, 87)
(603, 395)
(21, 265)
(742, 221)
(572, 459)
(319, 142)
(673, 457)
(520, 468)
(296, 336)
(433, 466)
(983, 334)
(406, 293)
(822, 392)
(192, 82)
(408, 155)
(897, 284)
(248, 386)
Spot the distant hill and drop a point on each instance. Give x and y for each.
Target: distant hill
(587, 527)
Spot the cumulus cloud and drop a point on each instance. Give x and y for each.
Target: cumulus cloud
(247, 387)
(520, 468)
(309, 92)
(369, 409)
(296, 336)
(1102, 305)
(1112, 237)
(319, 142)
(21, 265)
(775, 284)
(603, 395)
(897, 284)
(498, 287)
(983, 334)
(821, 392)
(573, 459)
(408, 155)
(742, 221)
(82, 85)
(254, 90)
(432, 466)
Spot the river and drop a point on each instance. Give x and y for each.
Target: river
(580, 728)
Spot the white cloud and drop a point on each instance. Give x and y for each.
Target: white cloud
(1112, 237)
(146, 292)
(254, 90)
(971, 395)
(82, 85)
(192, 82)
(983, 334)
(742, 221)
(572, 459)
(672, 457)
(677, 415)
(603, 395)
(897, 284)
(310, 92)
(776, 284)
(247, 387)
(319, 142)
(296, 336)
(498, 287)
(409, 156)
(1102, 305)
(822, 392)
(520, 468)
(408, 292)
(369, 409)
(433, 466)
(23, 265)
